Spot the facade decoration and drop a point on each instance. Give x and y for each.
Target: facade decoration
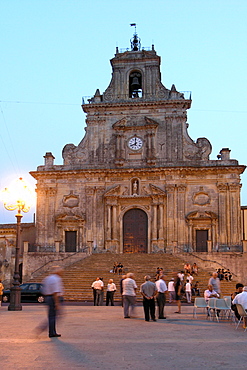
(137, 182)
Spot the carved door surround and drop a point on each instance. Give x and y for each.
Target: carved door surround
(135, 231)
(198, 220)
(120, 199)
(69, 221)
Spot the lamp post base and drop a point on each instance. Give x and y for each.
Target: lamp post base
(15, 299)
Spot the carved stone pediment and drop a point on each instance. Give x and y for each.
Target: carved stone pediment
(71, 200)
(155, 190)
(130, 123)
(70, 217)
(198, 215)
(115, 191)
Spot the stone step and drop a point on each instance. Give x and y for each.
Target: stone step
(79, 276)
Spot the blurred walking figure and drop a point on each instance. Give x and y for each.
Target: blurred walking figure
(129, 294)
(53, 292)
(121, 288)
(111, 288)
(1, 292)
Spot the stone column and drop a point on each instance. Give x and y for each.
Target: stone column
(51, 199)
(41, 214)
(114, 222)
(170, 214)
(222, 189)
(108, 230)
(154, 233)
(190, 224)
(235, 215)
(181, 214)
(161, 221)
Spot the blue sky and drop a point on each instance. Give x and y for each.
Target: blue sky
(55, 52)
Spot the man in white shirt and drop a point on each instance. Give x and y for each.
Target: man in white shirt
(188, 291)
(210, 293)
(129, 294)
(98, 287)
(52, 287)
(241, 298)
(161, 297)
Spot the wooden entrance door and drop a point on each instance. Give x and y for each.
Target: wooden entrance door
(135, 227)
(70, 241)
(201, 240)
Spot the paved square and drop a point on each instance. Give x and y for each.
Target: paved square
(100, 338)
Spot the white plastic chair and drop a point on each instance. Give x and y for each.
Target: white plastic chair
(228, 300)
(211, 307)
(199, 303)
(242, 313)
(220, 304)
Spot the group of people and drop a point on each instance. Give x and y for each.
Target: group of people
(238, 297)
(224, 274)
(188, 269)
(117, 268)
(98, 292)
(149, 291)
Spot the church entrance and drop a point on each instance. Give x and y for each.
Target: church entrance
(135, 231)
(201, 240)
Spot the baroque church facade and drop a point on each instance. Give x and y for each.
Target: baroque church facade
(137, 182)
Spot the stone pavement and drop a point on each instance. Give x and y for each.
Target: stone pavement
(100, 338)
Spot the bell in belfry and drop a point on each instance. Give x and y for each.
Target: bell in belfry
(135, 83)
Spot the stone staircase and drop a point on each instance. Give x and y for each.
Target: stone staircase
(79, 276)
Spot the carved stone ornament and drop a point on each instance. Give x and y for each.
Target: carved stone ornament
(130, 123)
(70, 217)
(197, 215)
(71, 200)
(197, 151)
(201, 198)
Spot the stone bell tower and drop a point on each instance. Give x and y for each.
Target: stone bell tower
(137, 182)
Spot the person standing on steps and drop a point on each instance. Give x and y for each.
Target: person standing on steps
(148, 291)
(161, 296)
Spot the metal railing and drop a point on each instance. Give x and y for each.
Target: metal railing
(83, 250)
(185, 95)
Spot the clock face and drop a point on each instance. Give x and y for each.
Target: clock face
(135, 143)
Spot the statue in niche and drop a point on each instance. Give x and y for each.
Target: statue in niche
(135, 187)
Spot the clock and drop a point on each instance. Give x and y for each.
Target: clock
(135, 143)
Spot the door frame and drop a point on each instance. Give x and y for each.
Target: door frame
(202, 229)
(121, 226)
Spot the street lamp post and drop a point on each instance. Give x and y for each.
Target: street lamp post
(17, 196)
